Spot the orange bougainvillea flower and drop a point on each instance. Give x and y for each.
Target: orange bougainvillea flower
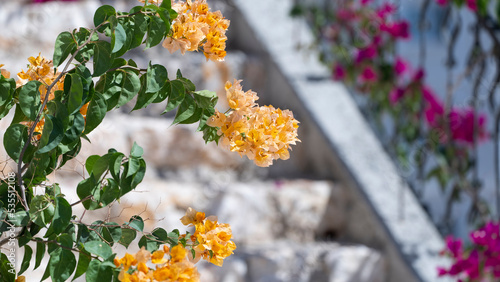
(197, 28)
(3, 72)
(212, 239)
(263, 134)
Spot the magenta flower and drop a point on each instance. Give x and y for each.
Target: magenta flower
(400, 66)
(346, 15)
(368, 74)
(442, 2)
(419, 75)
(365, 2)
(367, 53)
(462, 125)
(454, 246)
(396, 94)
(397, 29)
(434, 109)
(385, 10)
(478, 263)
(472, 4)
(339, 72)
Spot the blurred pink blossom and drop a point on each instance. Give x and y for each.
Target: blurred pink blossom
(368, 74)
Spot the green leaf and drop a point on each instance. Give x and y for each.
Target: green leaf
(7, 88)
(175, 92)
(128, 235)
(65, 240)
(165, 16)
(160, 234)
(150, 244)
(188, 111)
(29, 99)
(118, 87)
(81, 36)
(83, 234)
(62, 215)
(52, 134)
(14, 139)
(157, 75)
(156, 31)
(90, 162)
(20, 218)
(133, 166)
(101, 166)
(41, 210)
(62, 263)
(98, 248)
(143, 98)
(210, 134)
(86, 188)
(103, 13)
(103, 58)
(83, 263)
(137, 223)
(99, 271)
(109, 193)
(118, 38)
(7, 269)
(76, 92)
(40, 253)
(140, 29)
(28, 253)
(96, 112)
(136, 151)
(72, 135)
(115, 163)
(207, 113)
(65, 45)
(206, 99)
(112, 232)
(129, 183)
(166, 4)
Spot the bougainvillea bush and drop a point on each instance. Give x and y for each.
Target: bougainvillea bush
(430, 138)
(56, 103)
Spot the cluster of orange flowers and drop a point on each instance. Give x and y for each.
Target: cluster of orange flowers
(263, 134)
(197, 28)
(41, 69)
(176, 268)
(211, 241)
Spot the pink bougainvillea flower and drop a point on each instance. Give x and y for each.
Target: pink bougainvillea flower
(454, 246)
(367, 53)
(397, 29)
(442, 2)
(366, 2)
(472, 4)
(434, 109)
(385, 10)
(346, 15)
(368, 74)
(462, 125)
(400, 66)
(339, 72)
(419, 75)
(396, 94)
